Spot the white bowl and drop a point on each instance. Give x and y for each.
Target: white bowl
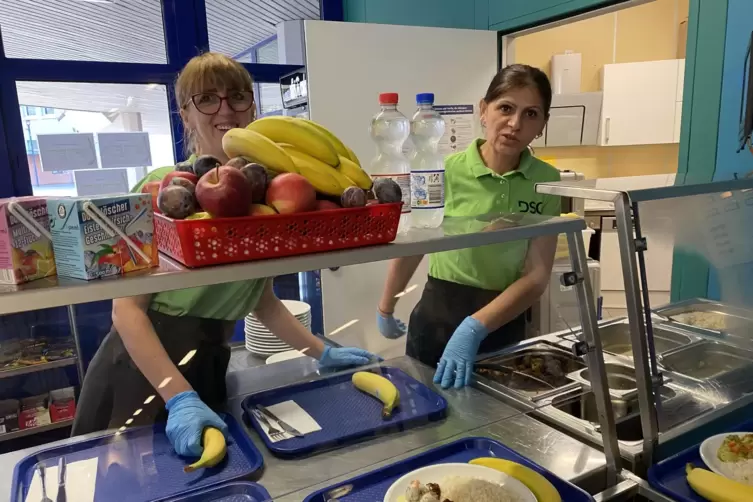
(435, 474)
(709, 449)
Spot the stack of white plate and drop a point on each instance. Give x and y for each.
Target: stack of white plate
(261, 342)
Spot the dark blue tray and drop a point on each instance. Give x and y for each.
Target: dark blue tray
(140, 464)
(346, 414)
(237, 491)
(668, 476)
(373, 486)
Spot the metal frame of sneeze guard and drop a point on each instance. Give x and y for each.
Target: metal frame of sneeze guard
(632, 247)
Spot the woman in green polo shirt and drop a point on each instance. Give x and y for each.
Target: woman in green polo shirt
(475, 298)
(167, 353)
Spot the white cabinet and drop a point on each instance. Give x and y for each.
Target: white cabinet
(640, 102)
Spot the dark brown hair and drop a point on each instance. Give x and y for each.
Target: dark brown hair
(520, 76)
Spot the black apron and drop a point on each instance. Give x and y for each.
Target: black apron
(443, 306)
(114, 388)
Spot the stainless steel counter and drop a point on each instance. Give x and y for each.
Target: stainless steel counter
(471, 413)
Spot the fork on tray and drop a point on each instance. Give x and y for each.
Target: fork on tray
(273, 432)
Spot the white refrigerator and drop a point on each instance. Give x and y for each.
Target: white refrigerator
(348, 65)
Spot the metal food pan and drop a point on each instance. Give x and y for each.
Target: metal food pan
(709, 360)
(735, 319)
(620, 379)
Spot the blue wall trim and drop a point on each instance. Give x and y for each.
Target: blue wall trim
(331, 10)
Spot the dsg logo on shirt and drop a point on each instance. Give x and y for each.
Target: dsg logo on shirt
(532, 207)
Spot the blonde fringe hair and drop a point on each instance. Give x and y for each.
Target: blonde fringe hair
(207, 72)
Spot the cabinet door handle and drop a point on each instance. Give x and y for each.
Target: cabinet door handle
(607, 122)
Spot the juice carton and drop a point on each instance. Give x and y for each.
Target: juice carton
(24, 255)
(86, 250)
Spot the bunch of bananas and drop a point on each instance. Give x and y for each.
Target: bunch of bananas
(297, 145)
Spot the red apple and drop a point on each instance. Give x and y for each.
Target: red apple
(324, 205)
(178, 174)
(260, 210)
(152, 188)
(224, 192)
(291, 193)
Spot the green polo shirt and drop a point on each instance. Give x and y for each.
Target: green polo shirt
(230, 302)
(472, 189)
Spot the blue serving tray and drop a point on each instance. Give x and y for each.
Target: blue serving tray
(140, 465)
(345, 414)
(373, 486)
(668, 476)
(236, 491)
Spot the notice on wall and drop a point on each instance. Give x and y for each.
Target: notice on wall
(101, 182)
(124, 149)
(458, 129)
(67, 152)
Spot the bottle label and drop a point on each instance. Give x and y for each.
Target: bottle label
(403, 181)
(427, 189)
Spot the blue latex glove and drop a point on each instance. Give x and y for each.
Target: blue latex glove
(459, 355)
(346, 356)
(389, 326)
(187, 417)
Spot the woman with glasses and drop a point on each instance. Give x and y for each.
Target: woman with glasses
(166, 355)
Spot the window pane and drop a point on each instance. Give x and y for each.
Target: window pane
(270, 99)
(93, 108)
(242, 28)
(128, 31)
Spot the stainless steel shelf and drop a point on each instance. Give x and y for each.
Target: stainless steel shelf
(35, 430)
(69, 361)
(455, 233)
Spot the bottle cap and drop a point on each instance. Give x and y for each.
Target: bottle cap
(425, 98)
(388, 98)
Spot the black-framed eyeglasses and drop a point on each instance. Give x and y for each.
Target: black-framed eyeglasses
(210, 103)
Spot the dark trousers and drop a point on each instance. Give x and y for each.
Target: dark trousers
(114, 388)
(443, 306)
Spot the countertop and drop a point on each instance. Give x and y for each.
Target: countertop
(471, 413)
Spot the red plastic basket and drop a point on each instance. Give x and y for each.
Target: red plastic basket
(199, 243)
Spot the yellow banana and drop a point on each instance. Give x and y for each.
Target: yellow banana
(717, 488)
(380, 388)
(304, 138)
(323, 177)
(354, 173)
(215, 450)
(538, 484)
(257, 148)
(338, 145)
(352, 156)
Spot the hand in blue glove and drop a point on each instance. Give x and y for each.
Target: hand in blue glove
(346, 356)
(460, 353)
(389, 326)
(187, 417)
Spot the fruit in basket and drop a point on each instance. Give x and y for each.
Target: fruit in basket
(291, 193)
(184, 167)
(387, 191)
(379, 387)
(717, 488)
(353, 172)
(305, 138)
(338, 145)
(176, 202)
(224, 192)
(205, 163)
(352, 156)
(169, 177)
(257, 180)
(538, 484)
(237, 162)
(215, 449)
(183, 182)
(353, 197)
(201, 215)
(320, 175)
(260, 210)
(257, 148)
(152, 188)
(325, 205)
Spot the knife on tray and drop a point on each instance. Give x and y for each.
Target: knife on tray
(285, 426)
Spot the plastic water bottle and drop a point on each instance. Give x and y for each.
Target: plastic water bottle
(389, 129)
(427, 165)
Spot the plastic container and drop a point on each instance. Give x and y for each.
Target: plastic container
(426, 164)
(199, 243)
(389, 129)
